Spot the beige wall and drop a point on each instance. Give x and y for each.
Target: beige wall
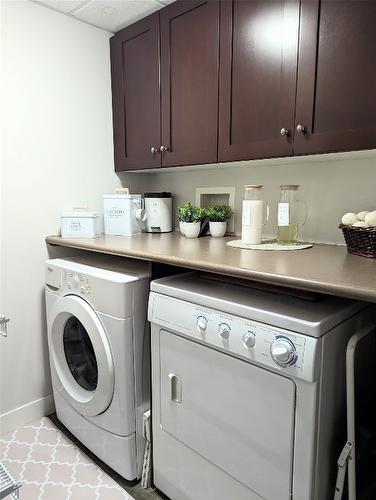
(57, 150)
(330, 184)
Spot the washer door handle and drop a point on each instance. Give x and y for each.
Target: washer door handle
(176, 388)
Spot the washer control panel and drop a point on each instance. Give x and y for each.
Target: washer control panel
(77, 283)
(282, 350)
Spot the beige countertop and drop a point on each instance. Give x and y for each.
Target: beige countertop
(323, 268)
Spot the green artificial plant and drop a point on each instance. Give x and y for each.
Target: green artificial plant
(218, 213)
(190, 213)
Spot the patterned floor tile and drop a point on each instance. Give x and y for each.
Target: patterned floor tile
(50, 466)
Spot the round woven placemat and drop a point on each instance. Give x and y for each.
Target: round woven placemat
(269, 245)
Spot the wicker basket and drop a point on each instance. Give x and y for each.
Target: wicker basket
(360, 240)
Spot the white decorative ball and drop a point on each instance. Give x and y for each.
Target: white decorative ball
(360, 223)
(362, 215)
(371, 218)
(349, 219)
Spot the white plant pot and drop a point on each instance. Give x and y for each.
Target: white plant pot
(217, 229)
(192, 229)
(181, 227)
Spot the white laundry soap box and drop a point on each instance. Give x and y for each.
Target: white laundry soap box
(123, 213)
(80, 223)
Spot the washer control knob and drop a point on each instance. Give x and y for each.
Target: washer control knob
(202, 324)
(76, 281)
(283, 351)
(224, 330)
(249, 340)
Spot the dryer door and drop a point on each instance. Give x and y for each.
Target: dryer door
(80, 356)
(237, 416)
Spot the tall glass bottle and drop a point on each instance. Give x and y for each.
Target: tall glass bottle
(254, 214)
(292, 213)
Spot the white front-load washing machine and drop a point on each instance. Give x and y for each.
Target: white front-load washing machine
(98, 341)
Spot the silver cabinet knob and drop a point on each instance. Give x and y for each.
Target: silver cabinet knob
(284, 131)
(154, 150)
(300, 128)
(163, 149)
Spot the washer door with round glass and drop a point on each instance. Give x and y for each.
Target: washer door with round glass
(81, 356)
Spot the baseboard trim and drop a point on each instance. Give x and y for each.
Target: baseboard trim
(27, 413)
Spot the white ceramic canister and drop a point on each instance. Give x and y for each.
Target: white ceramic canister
(123, 214)
(253, 215)
(80, 223)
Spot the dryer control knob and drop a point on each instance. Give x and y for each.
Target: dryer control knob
(201, 323)
(76, 281)
(283, 351)
(224, 330)
(249, 340)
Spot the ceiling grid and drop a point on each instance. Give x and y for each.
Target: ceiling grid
(111, 15)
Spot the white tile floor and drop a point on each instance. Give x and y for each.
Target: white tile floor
(50, 466)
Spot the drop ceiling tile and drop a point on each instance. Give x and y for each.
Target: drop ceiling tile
(113, 15)
(65, 6)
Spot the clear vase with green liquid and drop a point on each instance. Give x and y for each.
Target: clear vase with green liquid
(292, 214)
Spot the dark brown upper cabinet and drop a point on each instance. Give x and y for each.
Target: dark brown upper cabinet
(259, 41)
(189, 82)
(206, 81)
(336, 90)
(171, 119)
(136, 96)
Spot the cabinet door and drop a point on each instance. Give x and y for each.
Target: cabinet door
(336, 90)
(136, 95)
(257, 78)
(189, 82)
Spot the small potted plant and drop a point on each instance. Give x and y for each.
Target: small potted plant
(218, 216)
(190, 218)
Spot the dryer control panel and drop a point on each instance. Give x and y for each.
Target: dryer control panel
(279, 349)
(76, 282)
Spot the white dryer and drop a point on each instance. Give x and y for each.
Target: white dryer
(247, 390)
(98, 341)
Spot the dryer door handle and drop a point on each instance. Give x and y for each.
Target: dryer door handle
(175, 388)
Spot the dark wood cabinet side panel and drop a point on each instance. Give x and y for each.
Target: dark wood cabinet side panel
(136, 95)
(118, 123)
(336, 98)
(189, 82)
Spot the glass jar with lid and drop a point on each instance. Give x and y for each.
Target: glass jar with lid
(292, 214)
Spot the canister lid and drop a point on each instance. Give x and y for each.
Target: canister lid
(79, 215)
(290, 186)
(122, 196)
(255, 186)
(163, 194)
(122, 190)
